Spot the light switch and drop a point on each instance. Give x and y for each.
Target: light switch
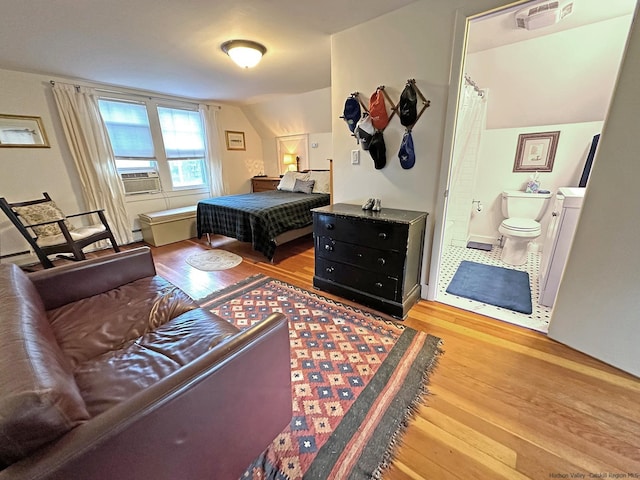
(355, 157)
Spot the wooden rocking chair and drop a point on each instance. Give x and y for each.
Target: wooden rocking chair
(48, 231)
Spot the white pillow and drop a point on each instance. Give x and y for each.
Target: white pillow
(323, 181)
(288, 181)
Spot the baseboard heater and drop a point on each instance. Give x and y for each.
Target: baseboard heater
(16, 254)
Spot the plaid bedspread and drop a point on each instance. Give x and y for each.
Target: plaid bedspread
(258, 217)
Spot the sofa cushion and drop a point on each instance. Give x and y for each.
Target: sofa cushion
(95, 325)
(114, 376)
(39, 398)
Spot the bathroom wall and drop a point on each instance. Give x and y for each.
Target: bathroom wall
(495, 172)
(542, 84)
(560, 78)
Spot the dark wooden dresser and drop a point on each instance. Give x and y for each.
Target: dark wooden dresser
(262, 184)
(372, 258)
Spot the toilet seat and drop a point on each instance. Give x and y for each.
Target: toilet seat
(520, 228)
(521, 225)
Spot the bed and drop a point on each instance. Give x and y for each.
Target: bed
(267, 219)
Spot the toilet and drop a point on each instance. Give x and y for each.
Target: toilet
(520, 226)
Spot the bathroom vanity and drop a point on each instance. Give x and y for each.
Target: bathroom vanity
(564, 220)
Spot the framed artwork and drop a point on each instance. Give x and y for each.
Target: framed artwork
(235, 140)
(536, 152)
(22, 131)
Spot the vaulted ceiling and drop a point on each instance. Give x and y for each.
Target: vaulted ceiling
(173, 47)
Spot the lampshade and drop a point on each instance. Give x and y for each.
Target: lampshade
(245, 53)
(290, 160)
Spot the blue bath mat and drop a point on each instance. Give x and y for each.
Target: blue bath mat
(497, 286)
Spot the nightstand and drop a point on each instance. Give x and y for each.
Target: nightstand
(263, 184)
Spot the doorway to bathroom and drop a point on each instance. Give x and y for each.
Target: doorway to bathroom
(522, 81)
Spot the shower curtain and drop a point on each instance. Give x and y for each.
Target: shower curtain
(469, 127)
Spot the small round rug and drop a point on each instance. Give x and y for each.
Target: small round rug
(214, 260)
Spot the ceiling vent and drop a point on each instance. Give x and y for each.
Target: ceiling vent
(543, 14)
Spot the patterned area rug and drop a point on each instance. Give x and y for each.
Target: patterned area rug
(356, 379)
(211, 260)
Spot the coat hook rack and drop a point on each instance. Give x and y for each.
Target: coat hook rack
(357, 95)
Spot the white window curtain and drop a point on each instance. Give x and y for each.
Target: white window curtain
(209, 114)
(86, 135)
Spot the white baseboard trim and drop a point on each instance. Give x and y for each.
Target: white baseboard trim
(484, 239)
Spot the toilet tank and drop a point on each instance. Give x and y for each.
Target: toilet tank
(524, 205)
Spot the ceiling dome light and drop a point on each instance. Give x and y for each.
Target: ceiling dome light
(245, 53)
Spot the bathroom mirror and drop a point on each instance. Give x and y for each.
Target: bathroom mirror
(22, 131)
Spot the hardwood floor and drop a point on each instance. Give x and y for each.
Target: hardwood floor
(505, 403)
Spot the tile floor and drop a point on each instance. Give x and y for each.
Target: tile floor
(451, 258)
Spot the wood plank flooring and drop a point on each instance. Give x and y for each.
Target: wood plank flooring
(505, 402)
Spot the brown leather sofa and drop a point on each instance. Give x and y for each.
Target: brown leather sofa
(108, 371)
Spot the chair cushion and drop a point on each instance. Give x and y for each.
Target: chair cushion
(78, 233)
(95, 325)
(43, 212)
(114, 376)
(39, 398)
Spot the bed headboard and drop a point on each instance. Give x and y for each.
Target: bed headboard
(330, 170)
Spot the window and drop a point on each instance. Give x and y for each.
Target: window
(129, 132)
(183, 138)
(153, 138)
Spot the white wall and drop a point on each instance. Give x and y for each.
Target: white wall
(495, 172)
(597, 308)
(542, 84)
(529, 80)
(413, 42)
(27, 172)
(320, 149)
(305, 113)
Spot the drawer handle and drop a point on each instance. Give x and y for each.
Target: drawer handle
(330, 226)
(378, 284)
(381, 261)
(330, 269)
(328, 248)
(382, 236)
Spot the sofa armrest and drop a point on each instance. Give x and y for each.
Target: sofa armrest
(69, 283)
(210, 419)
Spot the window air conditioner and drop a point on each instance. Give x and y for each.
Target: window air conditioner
(543, 14)
(140, 182)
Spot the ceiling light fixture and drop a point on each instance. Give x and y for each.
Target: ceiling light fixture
(245, 53)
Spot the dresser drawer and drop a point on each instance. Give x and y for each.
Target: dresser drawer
(369, 233)
(264, 184)
(383, 261)
(374, 283)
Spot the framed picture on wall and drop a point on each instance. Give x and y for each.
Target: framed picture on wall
(536, 152)
(22, 131)
(235, 140)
